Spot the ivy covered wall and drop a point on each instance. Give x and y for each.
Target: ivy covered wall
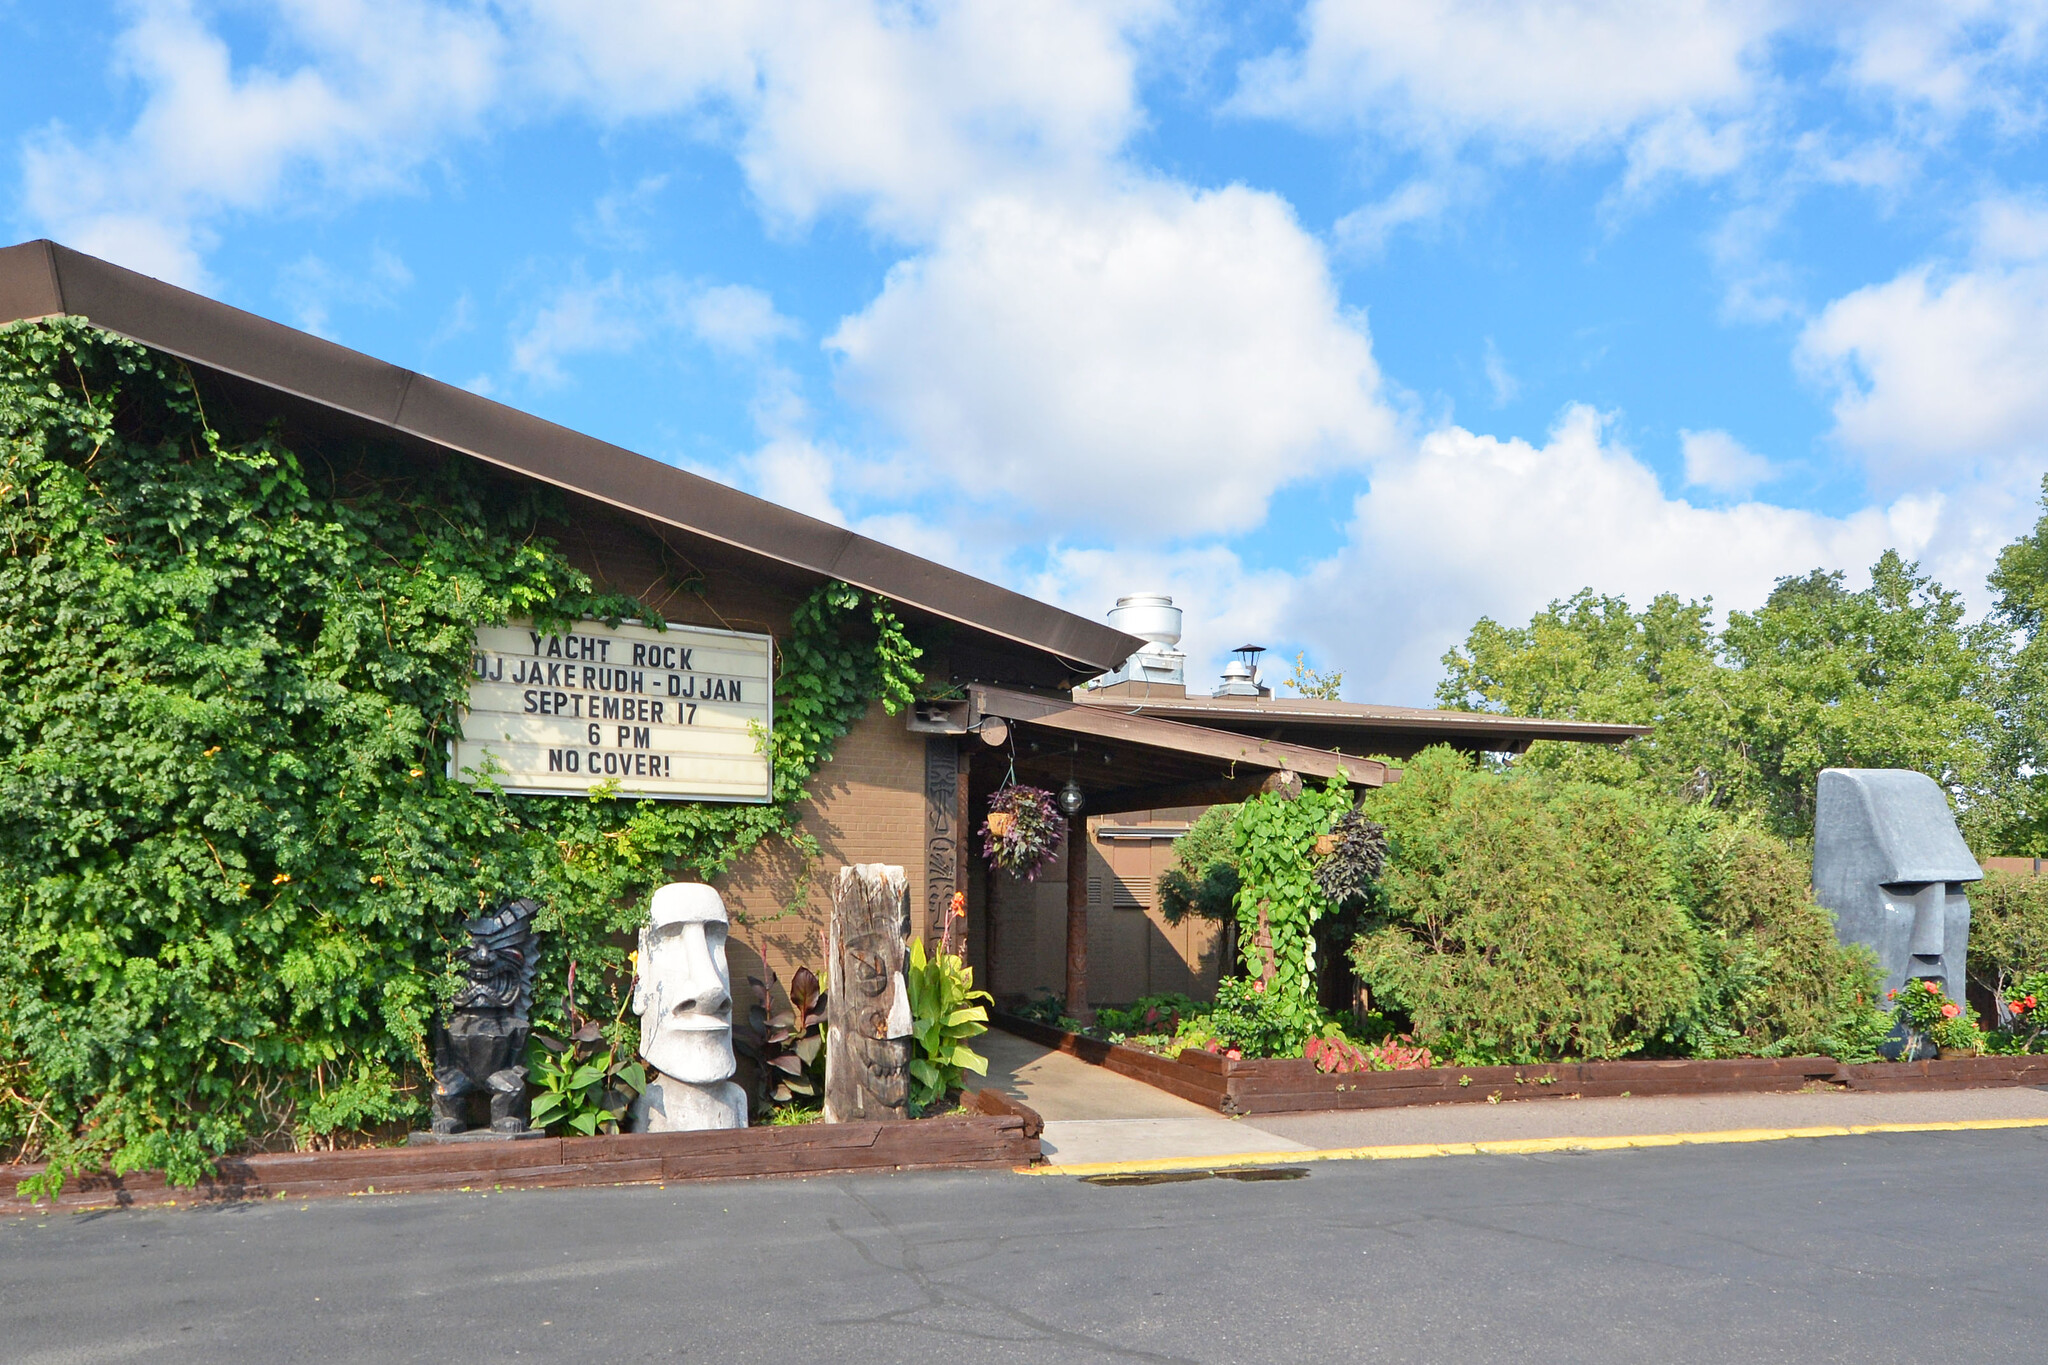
(231, 865)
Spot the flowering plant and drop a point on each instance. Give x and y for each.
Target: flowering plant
(1023, 831)
(2025, 1025)
(1333, 1053)
(1926, 1012)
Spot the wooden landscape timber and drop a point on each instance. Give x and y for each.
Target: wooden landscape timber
(1275, 1086)
(999, 1134)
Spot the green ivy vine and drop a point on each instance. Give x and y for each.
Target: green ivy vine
(231, 865)
(1278, 899)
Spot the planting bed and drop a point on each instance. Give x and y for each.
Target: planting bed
(1266, 1086)
(1001, 1134)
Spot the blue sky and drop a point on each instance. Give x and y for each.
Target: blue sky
(1346, 323)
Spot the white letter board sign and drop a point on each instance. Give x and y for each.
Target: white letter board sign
(668, 714)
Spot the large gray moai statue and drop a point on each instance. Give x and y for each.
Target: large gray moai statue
(683, 996)
(1888, 861)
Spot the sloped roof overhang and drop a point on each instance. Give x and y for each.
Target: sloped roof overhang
(1133, 762)
(44, 279)
(1358, 727)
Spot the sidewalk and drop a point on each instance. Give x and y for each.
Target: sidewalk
(1094, 1117)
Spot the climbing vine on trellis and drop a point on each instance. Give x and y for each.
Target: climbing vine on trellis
(231, 863)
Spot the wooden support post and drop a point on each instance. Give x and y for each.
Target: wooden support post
(1077, 918)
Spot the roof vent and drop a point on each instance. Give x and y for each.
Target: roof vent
(1241, 675)
(1158, 668)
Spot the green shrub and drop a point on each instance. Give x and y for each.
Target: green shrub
(1775, 980)
(2008, 930)
(1257, 1022)
(1526, 918)
(1203, 880)
(1927, 1012)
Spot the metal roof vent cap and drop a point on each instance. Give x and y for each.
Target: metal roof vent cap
(1151, 616)
(1238, 681)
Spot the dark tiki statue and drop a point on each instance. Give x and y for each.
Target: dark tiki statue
(481, 1047)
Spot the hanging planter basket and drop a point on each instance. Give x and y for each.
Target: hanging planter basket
(1023, 831)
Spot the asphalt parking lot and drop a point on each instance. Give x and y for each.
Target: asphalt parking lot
(1859, 1248)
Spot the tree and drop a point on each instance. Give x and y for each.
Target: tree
(1307, 682)
(2014, 816)
(1883, 678)
(1745, 719)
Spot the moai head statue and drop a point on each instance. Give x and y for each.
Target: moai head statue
(684, 992)
(1890, 864)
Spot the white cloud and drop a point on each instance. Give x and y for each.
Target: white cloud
(1942, 63)
(735, 318)
(1935, 374)
(385, 78)
(1363, 233)
(898, 110)
(616, 314)
(1550, 77)
(1160, 362)
(1718, 462)
(1470, 525)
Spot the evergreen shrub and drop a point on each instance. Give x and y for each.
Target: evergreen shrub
(1527, 917)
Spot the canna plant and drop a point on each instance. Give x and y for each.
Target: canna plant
(579, 1085)
(786, 1045)
(944, 1015)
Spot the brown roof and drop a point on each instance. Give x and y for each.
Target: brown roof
(1139, 762)
(43, 279)
(1360, 728)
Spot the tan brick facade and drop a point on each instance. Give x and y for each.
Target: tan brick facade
(869, 805)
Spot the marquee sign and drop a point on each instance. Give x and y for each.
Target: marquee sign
(682, 714)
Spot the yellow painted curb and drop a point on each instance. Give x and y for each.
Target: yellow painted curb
(1516, 1147)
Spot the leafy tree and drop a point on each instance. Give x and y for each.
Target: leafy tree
(2014, 816)
(1592, 658)
(1883, 678)
(1745, 719)
(1308, 682)
(1203, 879)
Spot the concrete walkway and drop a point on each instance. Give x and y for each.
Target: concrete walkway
(1093, 1116)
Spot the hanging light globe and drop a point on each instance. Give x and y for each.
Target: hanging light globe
(1072, 798)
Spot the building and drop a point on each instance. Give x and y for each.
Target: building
(902, 789)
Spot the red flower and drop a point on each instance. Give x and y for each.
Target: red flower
(1951, 1010)
(1891, 995)
(1932, 989)
(2030, 1002)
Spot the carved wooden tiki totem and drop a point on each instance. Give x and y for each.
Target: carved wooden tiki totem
(867, 1013)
